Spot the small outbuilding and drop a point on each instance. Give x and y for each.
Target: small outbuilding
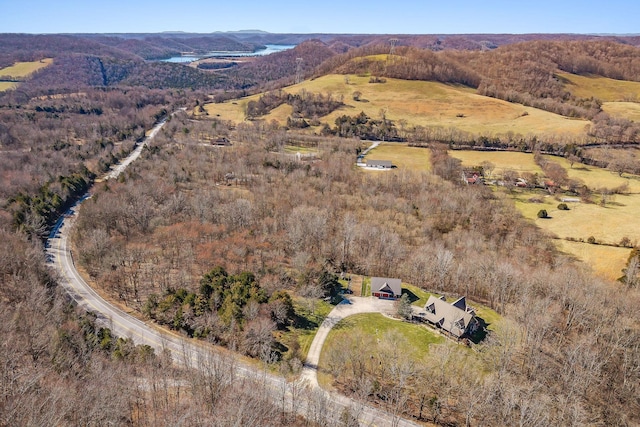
(380, 164)
(386, 288)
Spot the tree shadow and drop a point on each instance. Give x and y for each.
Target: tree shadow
(412, 297)
(304, 322)
(481, 333)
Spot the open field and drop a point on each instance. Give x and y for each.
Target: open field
(603, 88)
(607, 224)
(625, 110)
(595, 177)
(402, 156)
(503, 160)
(605, 261)
(8, 86)
(24, 69)
(420, 103)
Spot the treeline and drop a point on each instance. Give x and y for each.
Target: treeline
(363, 127)
(305, 104)
(231, 310)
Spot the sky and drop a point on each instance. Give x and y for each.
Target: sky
(321, 16)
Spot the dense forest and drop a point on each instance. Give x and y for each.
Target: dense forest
(220, 243)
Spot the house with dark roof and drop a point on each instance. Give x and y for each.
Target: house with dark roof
(380, 164)
(384, 287)
(457, 318)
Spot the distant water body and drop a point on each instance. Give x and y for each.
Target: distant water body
(270, 48)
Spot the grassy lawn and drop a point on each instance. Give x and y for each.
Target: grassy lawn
(417, 338)
(402, 156)
(24, 69)
(626, 110)
(419, 103)
(503, 160)
(602, 88)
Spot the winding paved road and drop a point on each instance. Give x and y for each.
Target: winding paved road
(189, 352)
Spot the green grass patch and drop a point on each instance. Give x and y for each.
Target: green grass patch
(366, 287)
(416, 337)
(310, 314)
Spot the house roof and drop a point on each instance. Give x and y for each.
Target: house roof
(380, 163)
(385, 284)
(453, 318)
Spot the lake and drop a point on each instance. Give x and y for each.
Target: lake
(270, 48)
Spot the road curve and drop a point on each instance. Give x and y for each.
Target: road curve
(183, 351)
(349, 306)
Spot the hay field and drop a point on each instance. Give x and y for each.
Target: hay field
(603, 88)
(608, 224)
(595, 177)
(625, 110)
(503, 160)
(606, 262)
(24, 69)
(7, 86)
(437, 104)
(404, 157)
(421, 103)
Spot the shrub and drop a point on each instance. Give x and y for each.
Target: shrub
(542, 213)
(591, 240)
(563, 207)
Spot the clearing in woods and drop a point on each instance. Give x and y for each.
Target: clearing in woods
(20, 71)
